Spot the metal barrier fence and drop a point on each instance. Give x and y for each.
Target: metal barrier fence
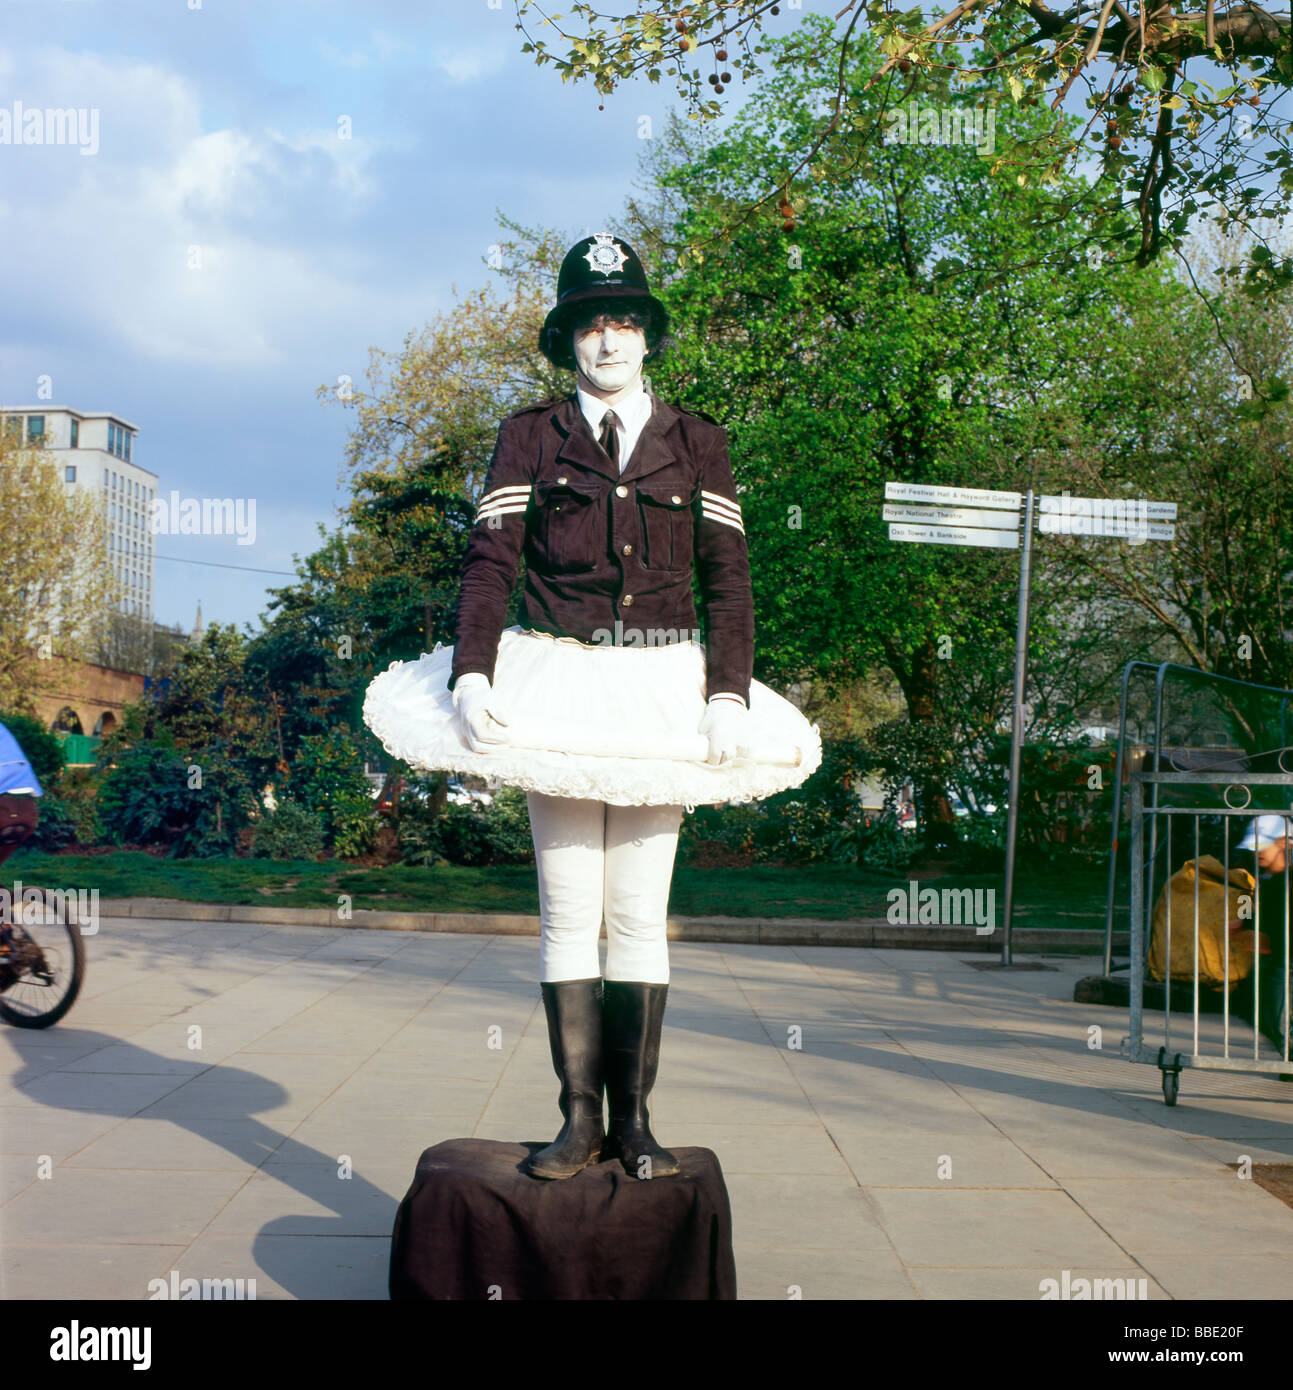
(1240, 703)
(1165, 837)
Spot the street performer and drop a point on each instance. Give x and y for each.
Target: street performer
(603, 703)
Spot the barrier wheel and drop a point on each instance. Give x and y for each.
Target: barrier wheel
(1171, 1086)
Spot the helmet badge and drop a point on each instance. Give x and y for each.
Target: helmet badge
(606, 256)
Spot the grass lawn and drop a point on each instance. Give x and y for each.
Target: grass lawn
(1066, 897)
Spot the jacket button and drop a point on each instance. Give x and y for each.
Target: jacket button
(621, 491)
(562, 479)
(675, 499)
(628, 550)
(627, 600)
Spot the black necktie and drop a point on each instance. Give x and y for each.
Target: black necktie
(608, 438)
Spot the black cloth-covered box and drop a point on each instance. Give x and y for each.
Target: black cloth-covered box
(474, 1226)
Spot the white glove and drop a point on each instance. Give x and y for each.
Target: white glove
(478, 722)
(727, 724)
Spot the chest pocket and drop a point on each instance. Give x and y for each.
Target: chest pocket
(667, 525)
(569, 527)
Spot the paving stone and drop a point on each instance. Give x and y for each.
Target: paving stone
(1111, 1283)
(822, 1275)
(101, 1206)
(990, 1227)
(308, 1199)
(290, 1267)
(1226, 1215)
(82, 1270)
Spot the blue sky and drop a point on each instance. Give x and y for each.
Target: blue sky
(218, 128)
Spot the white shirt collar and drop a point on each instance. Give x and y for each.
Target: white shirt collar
(633, 412)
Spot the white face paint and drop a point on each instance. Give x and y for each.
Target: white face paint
(610, 357)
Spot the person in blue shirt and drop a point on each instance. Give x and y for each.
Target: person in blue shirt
(19, 789)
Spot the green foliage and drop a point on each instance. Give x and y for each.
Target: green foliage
(848, 355)
(1174, 153)
(328, 779)
(41, 749)
(874, 842)
(470, 834)
(291, 831)
(56, 827)
(144, 797)
(1058, 816)
(317, 650)
(151, 795)
(820, 822)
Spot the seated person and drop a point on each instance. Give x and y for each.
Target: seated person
(1268, 837)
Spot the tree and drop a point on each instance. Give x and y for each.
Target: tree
(126, 643)
(41, 749)
(1223, 592)
(55, 584)
(1173, 147)
(850, 358)
(440, 398)
(318, 647)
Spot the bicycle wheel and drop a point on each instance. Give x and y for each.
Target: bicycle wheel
(48, 966)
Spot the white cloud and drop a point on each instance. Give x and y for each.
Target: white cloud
(114, 233)
(470, 64)
(382, 48)
(342, 57)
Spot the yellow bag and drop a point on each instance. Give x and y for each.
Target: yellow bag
(1219, 905)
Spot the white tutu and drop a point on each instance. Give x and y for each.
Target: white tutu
(623, 718)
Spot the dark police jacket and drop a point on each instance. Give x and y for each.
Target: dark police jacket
(609, 556)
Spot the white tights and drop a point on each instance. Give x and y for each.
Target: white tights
(597, 862)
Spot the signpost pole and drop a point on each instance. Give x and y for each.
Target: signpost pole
(1017, 722)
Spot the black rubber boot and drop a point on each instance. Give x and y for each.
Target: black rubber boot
(632, 1015)
(574, 1009)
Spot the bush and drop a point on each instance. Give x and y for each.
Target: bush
(875, 842)
(982, 837)
(56, 827)
(289, 832)
(78, 792)
(328, 779)
(818, 822)
(354, 830)
(146, 798)
(41, 749)
(1059, 818)
(474, 834)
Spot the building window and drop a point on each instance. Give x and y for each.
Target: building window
(76, 433)
(112, 438)
(35, 428)
(127, 446)
(70, 475)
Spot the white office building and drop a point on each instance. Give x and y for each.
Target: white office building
(94, 451)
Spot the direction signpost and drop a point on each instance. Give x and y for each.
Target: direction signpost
(930, 514)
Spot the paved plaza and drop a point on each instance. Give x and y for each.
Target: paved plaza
(249, 1101)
